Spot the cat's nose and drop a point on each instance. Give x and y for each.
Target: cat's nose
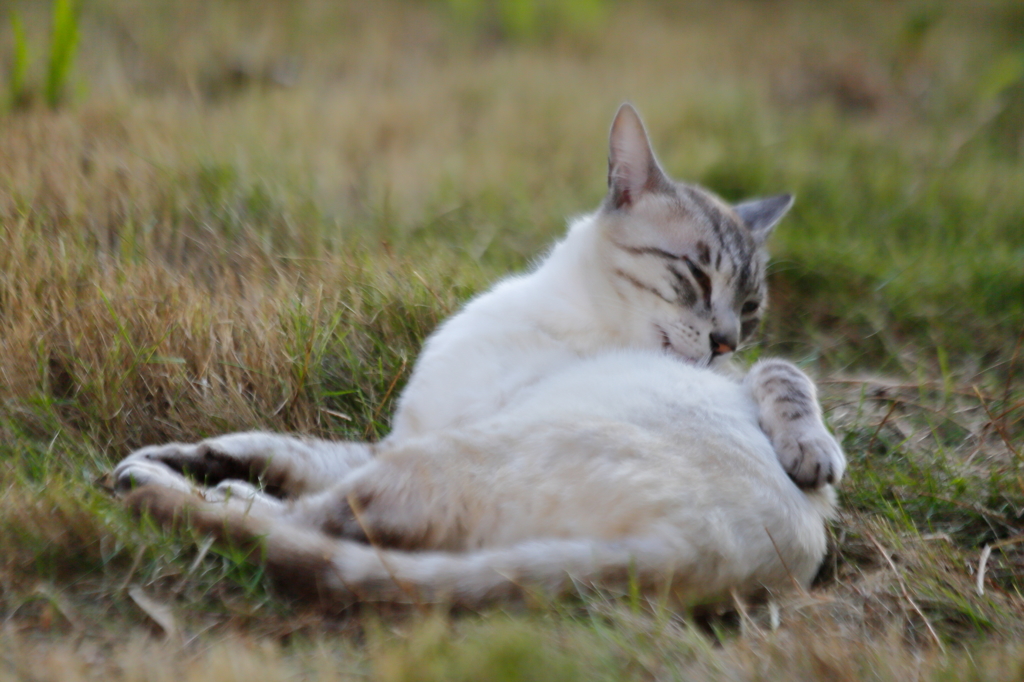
(722, 343)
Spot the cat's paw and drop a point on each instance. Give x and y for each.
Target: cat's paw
(200, 461)
(136, 473)
(244, 492)
(810, 455)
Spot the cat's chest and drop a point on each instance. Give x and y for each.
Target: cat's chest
(476, 377)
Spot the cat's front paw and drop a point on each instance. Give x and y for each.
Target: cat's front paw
(200, 461)
(810, 455)
(136, 473)
(132, 471)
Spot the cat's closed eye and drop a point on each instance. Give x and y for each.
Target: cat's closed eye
(703, 281)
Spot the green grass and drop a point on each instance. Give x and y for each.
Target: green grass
(254, 214)
(63, 43)
(18, 67)
(64, 36)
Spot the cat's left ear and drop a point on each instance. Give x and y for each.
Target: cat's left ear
(632, 168)
(761, 215)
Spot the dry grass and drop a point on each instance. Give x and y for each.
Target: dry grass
(251, 215)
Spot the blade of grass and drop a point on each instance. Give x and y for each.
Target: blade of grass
(19, 63)
(63, 42)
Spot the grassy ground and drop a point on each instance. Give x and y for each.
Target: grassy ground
(250, 215)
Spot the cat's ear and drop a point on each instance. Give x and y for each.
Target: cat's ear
(761, 215)
(632, 168)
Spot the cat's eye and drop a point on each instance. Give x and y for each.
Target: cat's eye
(703, 281)
(750, 307)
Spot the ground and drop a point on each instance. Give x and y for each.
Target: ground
(249, 215)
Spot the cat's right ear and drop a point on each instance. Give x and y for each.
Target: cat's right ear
(761, 215)
(632, 168)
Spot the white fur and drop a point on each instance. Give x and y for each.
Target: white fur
(525, 328)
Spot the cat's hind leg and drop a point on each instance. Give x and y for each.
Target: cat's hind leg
(247, 493)
(389, 502)
(294, 557)
(282, 464)
(337, 572)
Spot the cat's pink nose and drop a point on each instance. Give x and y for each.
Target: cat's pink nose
(721, 344)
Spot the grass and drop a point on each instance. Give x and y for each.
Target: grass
(63, 43)
(18, 65)
(254, 214)
(64, 35)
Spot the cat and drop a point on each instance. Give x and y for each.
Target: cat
(576, 425)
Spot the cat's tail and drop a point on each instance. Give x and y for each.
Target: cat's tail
(338, 572)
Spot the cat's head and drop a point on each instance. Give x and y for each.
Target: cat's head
(689, 267)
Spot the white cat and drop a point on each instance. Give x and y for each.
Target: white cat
(571, 424)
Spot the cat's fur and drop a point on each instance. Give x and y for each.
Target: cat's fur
(571, 424)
